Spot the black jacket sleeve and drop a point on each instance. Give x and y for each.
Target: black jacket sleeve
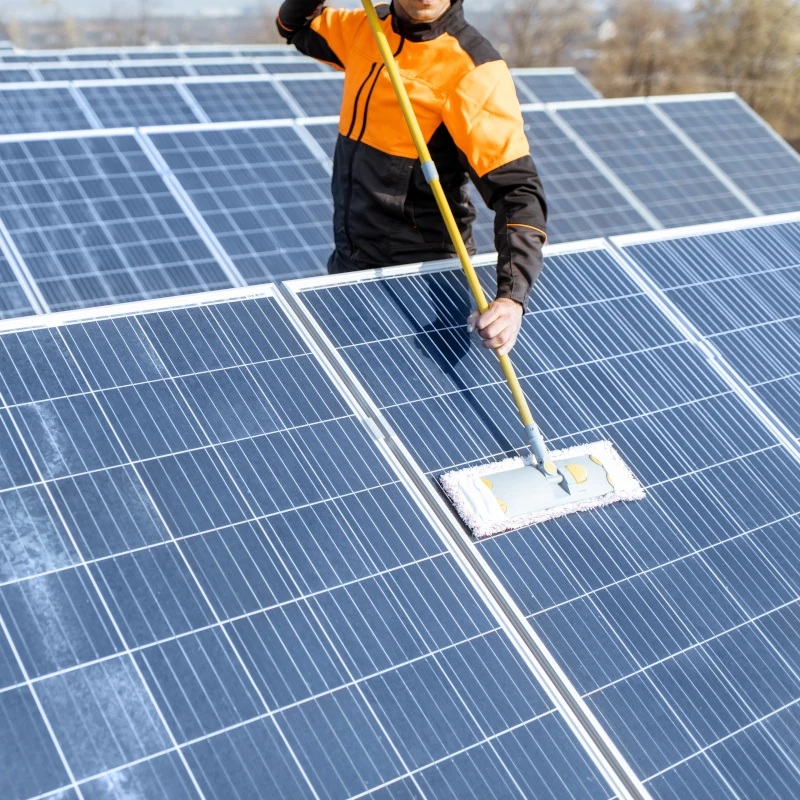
(294, 24)
(515, 193)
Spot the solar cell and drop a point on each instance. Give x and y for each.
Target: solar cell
(234, 68)
(191, 623)
(153, 71)
(674, 617)
(740, 289)
(95, 223)
(233, 101)
(122, 105)
(318, 97)
(71, 73)
(545, 86)
(673, 183)
(744, 148)
(24, 110)
(15, 76)
(263, 194)
(13, 300)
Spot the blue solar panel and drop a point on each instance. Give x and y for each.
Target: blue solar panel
(741, 290)
(263, 194)
(189, 618)
(15, 76)
(70, 73)
(152, 55)
(326, 136)
(654, 164)
(95, 223)
(318, 97)
(233, 101)
(276, 67)
(675, 617)
(209, 54)
(38, 109)
(544, 87)
(28, 59)
(225, 69)
(267, 51)
(742, 146)
(13, 300)
(124, 105)
(153, 71)
(100, 55)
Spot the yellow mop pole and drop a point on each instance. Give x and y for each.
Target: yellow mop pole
(432, 176)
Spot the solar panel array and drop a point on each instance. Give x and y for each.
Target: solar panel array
(740, 291)
(94, 223)
(673, 617)
(552, 86)
(180, 620)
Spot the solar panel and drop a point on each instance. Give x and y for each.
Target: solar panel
(209, 54)
(553, 87)
(674, 617)
(190, 623)
(70, 73)
(292, 66)
(121, 105)
(318, 97)
(100, 55)
(267, 50)
(28, 59)
(263, 194)
(744, 148)
(152, 55)
(233, 101)
(95, 223)
(741, 290)
(225, 69)
(13, 300)
(24, 110)
(655, 165)
(15, 76)
(153, 71)
(326, 135)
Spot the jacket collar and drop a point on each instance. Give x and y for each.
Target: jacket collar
(425, 31)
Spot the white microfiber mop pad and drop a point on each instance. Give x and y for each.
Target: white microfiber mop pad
(478, 508)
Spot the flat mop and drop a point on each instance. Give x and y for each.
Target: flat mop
(516, 492)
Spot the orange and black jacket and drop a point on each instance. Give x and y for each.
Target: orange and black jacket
(464, 96)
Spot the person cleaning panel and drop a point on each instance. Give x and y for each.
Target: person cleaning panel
(464, 97)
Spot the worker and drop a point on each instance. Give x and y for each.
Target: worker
(463, 93)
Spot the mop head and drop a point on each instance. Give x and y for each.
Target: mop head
(470, 489)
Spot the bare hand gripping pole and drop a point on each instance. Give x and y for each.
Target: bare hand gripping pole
(432, 176)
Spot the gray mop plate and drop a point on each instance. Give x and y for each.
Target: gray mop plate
(526, 490)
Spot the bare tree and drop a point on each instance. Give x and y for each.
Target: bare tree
(640, 48)
(544, 33)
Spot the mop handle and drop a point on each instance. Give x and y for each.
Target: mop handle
(432, 176)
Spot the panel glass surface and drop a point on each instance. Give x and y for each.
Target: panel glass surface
(216, 587)
(152, 55)
(654, 164)
(555, 88)
(277, 68)
(675, 617)
(153, 71)
(25, 59)
(15, 76)
(69, 73)
(95, 223)
(326, 136)
(225, 69)
(136, 105)
(102, 55)
(209, 54)
(263, 194)
(318, 98)
(742, 291)
(40, 110)
(234, 101)
(13, 301)
(744, 149)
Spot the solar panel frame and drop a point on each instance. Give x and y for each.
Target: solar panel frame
(367, 335)
(761, 407)
(746, 180)
(657, 192)
(576, 736)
